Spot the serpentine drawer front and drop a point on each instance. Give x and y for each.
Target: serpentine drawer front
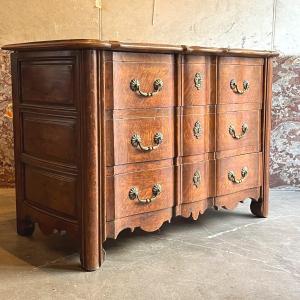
(112, 135)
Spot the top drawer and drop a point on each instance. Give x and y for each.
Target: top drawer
(240, 80)
(198, 73)
(138, 80)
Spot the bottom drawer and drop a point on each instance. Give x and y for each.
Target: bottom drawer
(137, 189)
(197, 179)
(238, 173)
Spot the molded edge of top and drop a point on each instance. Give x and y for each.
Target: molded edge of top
(134, 47)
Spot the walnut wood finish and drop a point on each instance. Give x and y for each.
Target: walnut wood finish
(252, 137)
(145, 176)
(123, 124)
(75, 112)
(198, 122)
(236, 164)
(204, 66)
(194, 189)
(240, 69)
(146, 68)
(135, 47)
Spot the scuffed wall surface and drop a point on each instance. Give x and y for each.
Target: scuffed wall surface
(287, 29)
(219, 23)
(6, 128)
(32, 20)
(285, 138)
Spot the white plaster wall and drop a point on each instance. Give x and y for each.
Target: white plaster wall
(32, 20)
(254, 24)
(220, 23)
(287, 27)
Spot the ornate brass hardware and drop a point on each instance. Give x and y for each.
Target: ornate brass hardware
(235, 89)
(197, 179)
(198, 81)
(134, 194)
(231, 130)
(157, 87)
(136, 142)
(244, 173)
(9, 112)
(197, 129)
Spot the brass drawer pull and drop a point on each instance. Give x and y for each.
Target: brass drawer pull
(197, 129)
(198, 81)
(231, 130)
(197, 179)
(157, 87)
(244, 173)
(9, 111)
(136, 142)
(235, 89)
(134, 194)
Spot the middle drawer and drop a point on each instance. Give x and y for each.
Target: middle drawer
(139, 135)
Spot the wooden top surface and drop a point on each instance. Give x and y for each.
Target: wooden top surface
(134, 47)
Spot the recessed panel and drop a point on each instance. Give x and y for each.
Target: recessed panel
(50, 139)
(47, 83)
(51, 191)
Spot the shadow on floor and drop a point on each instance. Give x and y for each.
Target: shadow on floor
(44, 251)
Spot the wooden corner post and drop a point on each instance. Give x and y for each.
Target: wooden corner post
(91, 240)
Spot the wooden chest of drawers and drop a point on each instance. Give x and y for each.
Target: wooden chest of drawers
(112, 135)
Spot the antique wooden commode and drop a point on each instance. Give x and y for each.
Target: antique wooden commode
(112, 135)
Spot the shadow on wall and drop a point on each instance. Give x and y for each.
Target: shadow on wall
(285, 139)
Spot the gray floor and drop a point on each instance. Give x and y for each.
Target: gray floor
(223, 255)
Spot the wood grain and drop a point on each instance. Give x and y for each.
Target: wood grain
(117, 198)
(225, 141)
(75, 114)
(141, 47)
(193, 144)
(146, 68)
(121, 129)
(253, 179)
(192, 94)
(240, 69)
(190, 191)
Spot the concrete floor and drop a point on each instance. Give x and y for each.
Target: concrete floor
(223, 255)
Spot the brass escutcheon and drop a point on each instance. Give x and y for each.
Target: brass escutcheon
(197, 129)
(197, 178)
(197, 80)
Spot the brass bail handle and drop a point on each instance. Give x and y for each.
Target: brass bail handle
(234, 87)
(157, 87)
(232, 132)
(134, 194)
(136, 142)
(232, 176)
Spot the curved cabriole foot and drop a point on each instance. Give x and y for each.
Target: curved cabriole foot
(25, 227)
(257, 209)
